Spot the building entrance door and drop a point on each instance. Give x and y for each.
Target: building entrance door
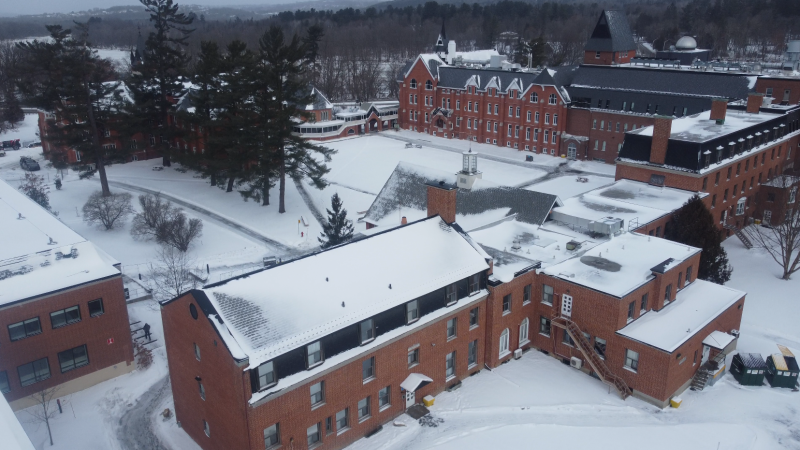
(572, 151)
(410, 399)
(706, 352)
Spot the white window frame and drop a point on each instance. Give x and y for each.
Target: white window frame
(504, 338)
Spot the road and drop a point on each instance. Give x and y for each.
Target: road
(135, 430)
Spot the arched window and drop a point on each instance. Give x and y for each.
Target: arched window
(351, 131)
(428, 85)
(523, 332)
(413, 83)
(553, 99)
(534, 97)
(740, 206)
(504, 342)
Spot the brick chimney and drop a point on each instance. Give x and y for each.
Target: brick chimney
(754, 101)
(719, 107)
(403, 221)
(442, 201)
(658, 146)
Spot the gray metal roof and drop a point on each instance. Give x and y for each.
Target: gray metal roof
(402, 72)
(611, 34)
(407, 188)
(685, 82)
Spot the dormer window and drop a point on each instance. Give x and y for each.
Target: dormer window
(266, 375)
(314, 354)
(412, 311)
(366, 331)
(474, 283)
(451, 294)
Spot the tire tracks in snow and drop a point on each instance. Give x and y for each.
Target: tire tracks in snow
(135, 430)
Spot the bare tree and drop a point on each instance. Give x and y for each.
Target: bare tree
(44, 409)
(151, 222)
(182, 231)
(107, 210)
(782, 240)
(171, 273)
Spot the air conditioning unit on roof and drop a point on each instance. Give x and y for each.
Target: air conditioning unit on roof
(576, 362)
(518, 353)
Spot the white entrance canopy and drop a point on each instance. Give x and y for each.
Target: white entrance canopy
(414, 382)
(718, 340)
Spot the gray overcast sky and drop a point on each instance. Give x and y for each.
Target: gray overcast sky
(18, 7)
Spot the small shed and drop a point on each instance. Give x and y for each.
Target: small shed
(782, 369)
(749, 369)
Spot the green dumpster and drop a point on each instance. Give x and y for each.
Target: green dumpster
(782, 369)
(749, 369)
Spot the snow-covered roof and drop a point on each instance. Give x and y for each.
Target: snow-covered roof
(414, 381)
(700, 128)
(635, 202)
(695, 306)
(287, 306)
(718, 339)
(29, 261)
(13, 436)
(622, 264)
(405, 194)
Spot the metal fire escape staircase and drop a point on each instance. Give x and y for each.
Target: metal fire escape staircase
(598, 365)
(742, 233)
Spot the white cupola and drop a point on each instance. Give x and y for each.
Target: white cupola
(469, 170)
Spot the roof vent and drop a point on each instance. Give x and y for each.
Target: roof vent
(20, 217)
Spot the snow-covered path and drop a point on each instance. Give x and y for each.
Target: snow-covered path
(135, 430)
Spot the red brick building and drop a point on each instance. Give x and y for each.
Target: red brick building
(783, 90)
(611, 41)
(62, 308)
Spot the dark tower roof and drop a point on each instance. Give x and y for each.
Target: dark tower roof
(611, 34)
(441, 43)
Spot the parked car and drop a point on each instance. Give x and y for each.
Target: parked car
(28, 164)
(35, 144)
(13, 144)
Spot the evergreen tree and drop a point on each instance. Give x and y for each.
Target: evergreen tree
(159, 78)
(338, 229)
(68, 77)
(694, 225)
(34, 187)
(530, 53)
(282, 96)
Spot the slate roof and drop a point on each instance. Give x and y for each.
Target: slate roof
(406, 189)
(319, 100)
(403, 70)
(684, 82)
(457, 78)
(611, 34)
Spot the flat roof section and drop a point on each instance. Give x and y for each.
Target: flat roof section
(695, 306)
(293, 304)
(619, 266)
(700, 128)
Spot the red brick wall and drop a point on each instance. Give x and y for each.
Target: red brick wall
(92, 331)
(497, 321)
(594, 124)
(344, 386)
(658, 146)
(719, 108)
(754, 101)
(608, 58)
(779, 86)
(225, 407)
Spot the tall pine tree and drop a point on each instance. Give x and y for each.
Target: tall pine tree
(694, 225)
(338, 229)
(158, 80)
(68, 77)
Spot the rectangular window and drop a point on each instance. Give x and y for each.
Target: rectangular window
(526, 294)
(594, 124)
(65, 316)
(5, 387)
(452, 328)
(474, 283)
(96, 307)
(366, 331)
(368, 369)
(73, 358)
(668, 293)
(631, 310)
(567, 339)
(510, 111)
(26, 328)
(313, 435)
(600, 346)
(342, 420)
(363, 409)
(202, 390)
(528, 116)
(196, 352)
(412, 311)
(472, 353)
(317, 393)
(450, 365)
(329, 425)
(631, 359)
(451, 294)
(644, 303)
(555, 119)
(34, 372)
(314, 352)
(507, 303)
(547, 294)
(544, 325)
(384, 398)
(688, 274)
(547, 118)
(473, 317)
(266, 375)
(206, 429)
(413, 357)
